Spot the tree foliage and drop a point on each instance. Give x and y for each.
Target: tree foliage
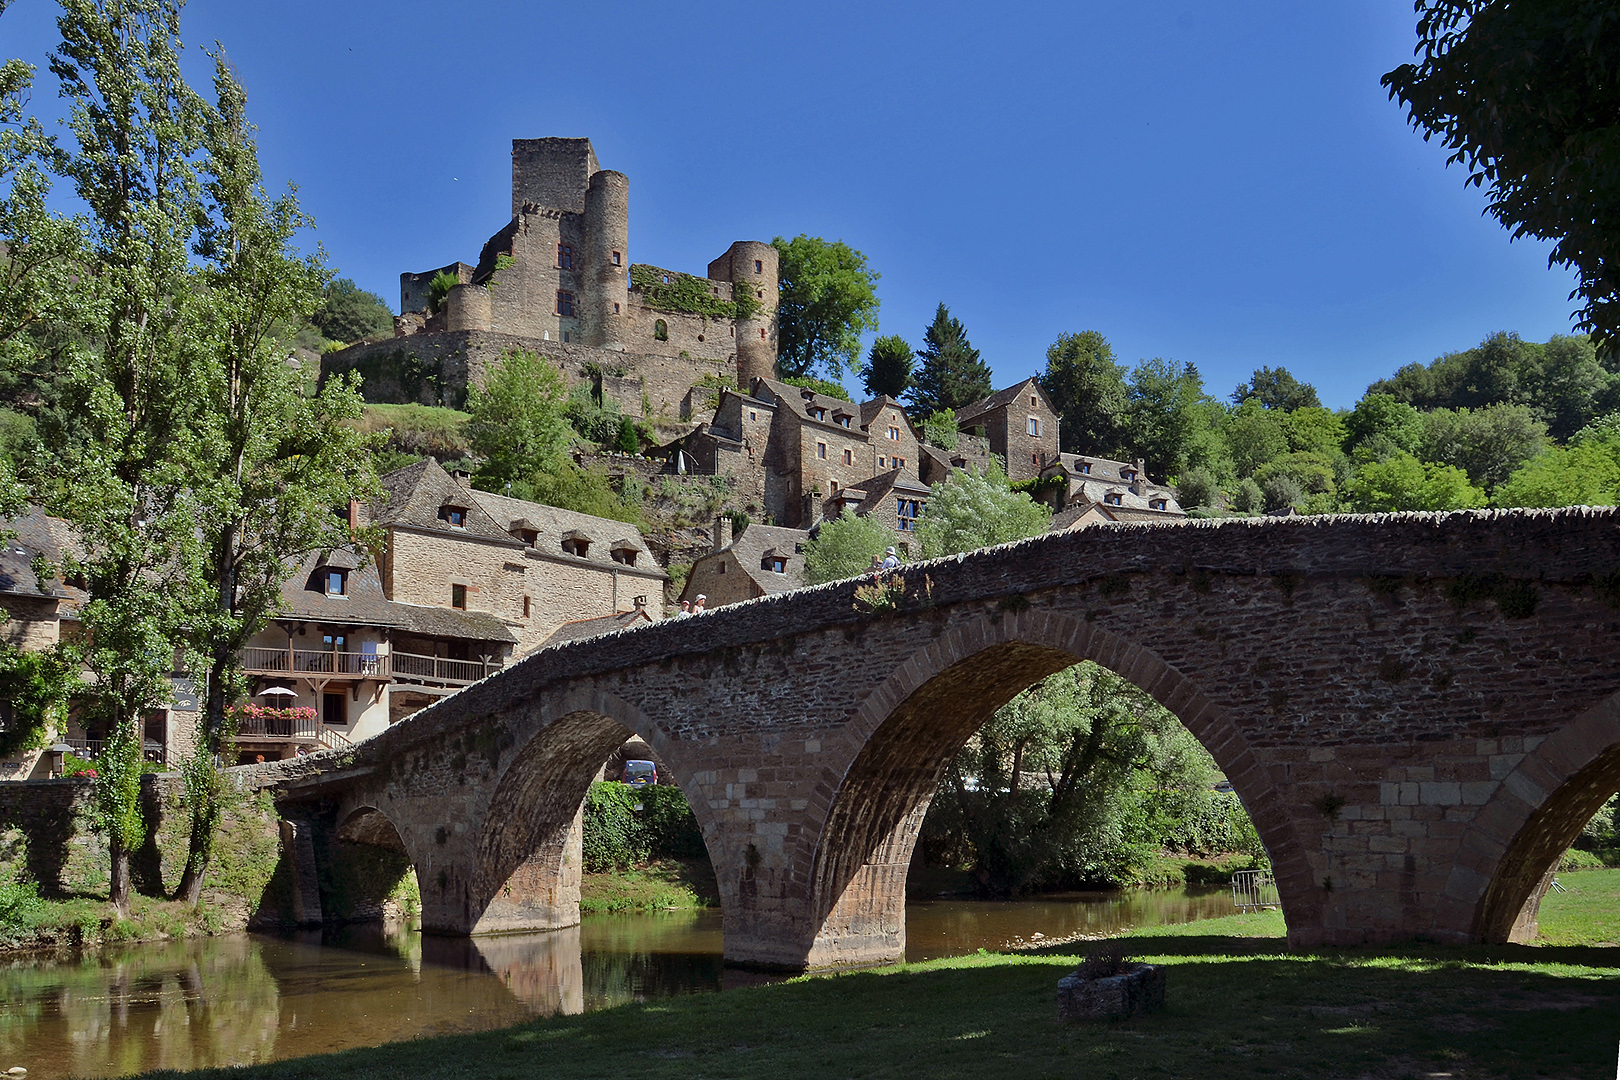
(519, 422)
(1525, 96)
(843, 547)
(350, 313)
(1165, 411)
(969, 510)
(1276, 388)
(1087, 386)
(1586, 474)
(828, 298)
(889, 367)
(1405, 483)
(949, 371)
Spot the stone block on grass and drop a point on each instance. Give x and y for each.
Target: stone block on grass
(1135, 992)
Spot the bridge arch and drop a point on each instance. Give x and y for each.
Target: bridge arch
(905, 733)
(527, 860)
(1536, 812)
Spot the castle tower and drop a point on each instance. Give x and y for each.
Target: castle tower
(553, 173)
(751, 265)
(605, 274)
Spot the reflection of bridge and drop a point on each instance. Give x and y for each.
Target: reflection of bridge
(1419, 712)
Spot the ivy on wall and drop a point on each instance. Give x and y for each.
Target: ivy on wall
(36, 685)
(689, 293)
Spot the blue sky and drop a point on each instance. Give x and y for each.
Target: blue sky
(1221, 184)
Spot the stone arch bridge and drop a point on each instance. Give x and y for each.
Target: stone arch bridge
(1419, 711)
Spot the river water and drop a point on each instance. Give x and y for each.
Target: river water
(254, 998)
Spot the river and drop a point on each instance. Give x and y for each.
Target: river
(254, 998)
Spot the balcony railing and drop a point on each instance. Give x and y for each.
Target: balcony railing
(395, 666)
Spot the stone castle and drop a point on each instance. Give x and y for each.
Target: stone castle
(557, 279)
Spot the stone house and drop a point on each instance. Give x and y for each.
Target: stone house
(1091, 490)
(895, 499)
(532, 567)
(42, 611)
(762, 561)
(1021, 424)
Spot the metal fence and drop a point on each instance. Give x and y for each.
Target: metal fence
(1253, 890)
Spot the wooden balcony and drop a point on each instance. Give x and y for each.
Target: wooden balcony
(327, 666)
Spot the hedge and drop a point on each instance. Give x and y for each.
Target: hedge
(618, 836)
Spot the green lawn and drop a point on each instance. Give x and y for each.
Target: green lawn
(1239, 1005)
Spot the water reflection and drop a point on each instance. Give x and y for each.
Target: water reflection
(241, 1000)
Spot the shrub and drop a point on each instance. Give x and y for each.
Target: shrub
(618, 836)
(1198, 487)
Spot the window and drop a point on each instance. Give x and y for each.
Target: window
(458, 597)
(454, 516)
(759, 266)
(883, 463)
(334, 642)
(615, 309)
(821, 450)
(1114, 498)
(336, 580)
(752, 415)
(566, 338)
(834, 485)
(618, 259)
(899, 462)
(1127, 474)
(844, 420)
(776, 564)
(908, 510)
(1155, 504)
(525, 607)
(528, 536)
(762, 333)
(565, 257)
(660, 330)
(849, 457)
(576, 545)
(1035, 458)
(894, 433)
(1083, 467)
(1035, 426)
(625, 556)
(565, 304)
(760, 293)
(334, 710)
(1032, 401)
(722, 566)
(818, 414)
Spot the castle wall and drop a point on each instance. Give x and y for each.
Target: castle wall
(413, 288)
(524, 297)
(552, 173)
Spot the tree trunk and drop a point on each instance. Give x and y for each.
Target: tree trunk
(205, 809)
(119, 890)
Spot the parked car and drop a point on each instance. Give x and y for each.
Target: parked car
(640, 774)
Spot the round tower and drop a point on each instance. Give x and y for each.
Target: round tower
(607, 260)
(753, 273)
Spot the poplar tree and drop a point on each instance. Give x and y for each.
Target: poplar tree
(889, 367)
(135, 128)
(272, 465)
(950, 373)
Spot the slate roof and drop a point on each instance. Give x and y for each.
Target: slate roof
(552, 524)
(870, 409)
(38, 535)
(801, 401)
(881, 486)
(416, 494)
(969, 413)
(364, 603)
(749, 552)
(580, 629)
(448, 622)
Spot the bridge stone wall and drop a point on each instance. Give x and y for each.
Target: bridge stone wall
(1415, 709)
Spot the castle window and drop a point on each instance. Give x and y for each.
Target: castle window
(458, 597)
(565, 304)
(565, 257)
(733, 331)
(821, 450)
(666, 279)
(762, 333)
(907, 511)
(336, 582)
(752, 415)
(615, 309)
(1114, 498)
(1035, 426)
(760, 293)
(525, 607)
(1155, 504)
(660, 330)
(759, 267)
(617, 259)
(849, 458)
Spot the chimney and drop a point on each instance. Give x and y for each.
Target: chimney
(1139, 484)
(462, 477)
(640, 602)
(354, 516)
(722, 532)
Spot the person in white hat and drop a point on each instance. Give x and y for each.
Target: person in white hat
(891, 559)
(698, 608)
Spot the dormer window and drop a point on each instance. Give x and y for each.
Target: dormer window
(575, 542)
(1083, 467)
(526, 531)
(818, 414)
(1127, 474)
(624, 554)
(1114, 498)
(1156, 504)
(336, 582)
(454, 516)
(776, 564)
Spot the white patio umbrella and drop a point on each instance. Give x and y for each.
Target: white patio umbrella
(277, 691)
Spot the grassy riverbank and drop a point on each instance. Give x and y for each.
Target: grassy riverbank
(1239, 1006)
(658, 885)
